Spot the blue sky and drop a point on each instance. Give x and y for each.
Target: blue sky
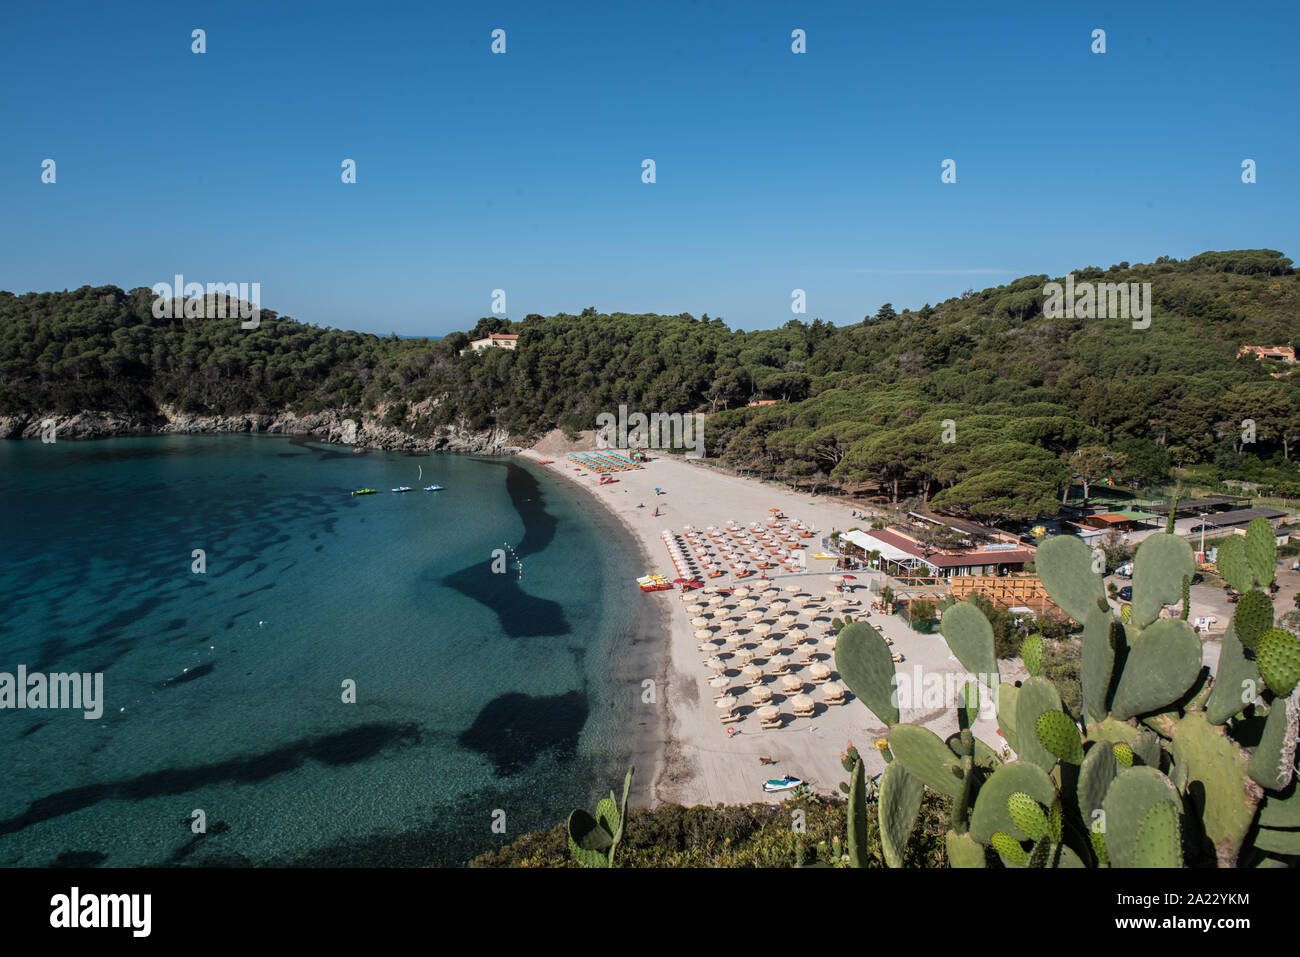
(522, 171)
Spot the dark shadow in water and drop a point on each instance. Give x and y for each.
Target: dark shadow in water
(519, 614)
(338, 749)
(190, 846)
(191, 674)
(514, 729)
(79, 859)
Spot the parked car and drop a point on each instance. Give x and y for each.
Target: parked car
(1126, 593)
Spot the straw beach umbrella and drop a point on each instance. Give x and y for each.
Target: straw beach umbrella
(753, 675)
(762, 629)
(715, 664)
(727, 703)
(769, 713)
(803, 705)
(819, 672)
(833, 691)
(791, 685)
(761, 693)
(792, 589)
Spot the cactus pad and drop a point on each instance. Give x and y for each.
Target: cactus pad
(1123, 754)
(1237, 681)
(1253, 617)
(1159, 839)
(970, 637)
(1233, 565)
(1098, 841)
(1278, 654)
(1031, 653)
(866, 664)
(1037, 697)
(926, 757)
(1158, 570)
(1064, 567)
(962, 851)
(1027, 815)
(1008, 694)
(1098, 662)
(991, 813)
(1058, 734)
(1095, 775)
(1214, 768)
(900, 801)
(1162, 664)
(1261, 550)
(1009, 849)
(1273, 764)
(1131, 796)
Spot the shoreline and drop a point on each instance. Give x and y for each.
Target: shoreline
(698, 763)
(652, 743)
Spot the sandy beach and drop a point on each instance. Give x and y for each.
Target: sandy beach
(700, 763)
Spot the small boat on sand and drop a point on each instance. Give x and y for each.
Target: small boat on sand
(404, 488)
(787, 783)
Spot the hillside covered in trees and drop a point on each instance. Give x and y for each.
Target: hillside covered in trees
(980, 405)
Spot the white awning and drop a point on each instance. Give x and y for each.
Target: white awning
(867, 542)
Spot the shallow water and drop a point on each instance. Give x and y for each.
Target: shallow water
(481, 696)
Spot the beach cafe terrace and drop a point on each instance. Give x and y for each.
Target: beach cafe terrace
(903, 556)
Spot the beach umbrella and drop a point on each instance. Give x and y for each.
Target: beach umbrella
(830, 640)
(715, 664)
(752, 671)
(727, 702)
(788, 619)
(695, 609)
(761, 693)
(703, 634)
(748, 602)
(819, 670)
(769, 712)
(740, 593)
(836, 579)
(771, 645)
(733, 638)
(755, 615)
(762, 629)
(833, 690)
(717, 599)
(699, 622)
(778, 606)
(721, 681)
(801, 702)
(791, 684)
(792, 589)
(745, 654)
(770, 593)
(840, 602)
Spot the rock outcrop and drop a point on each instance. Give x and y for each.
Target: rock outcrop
(357, 430)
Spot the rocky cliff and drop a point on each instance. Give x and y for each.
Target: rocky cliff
(359, 431)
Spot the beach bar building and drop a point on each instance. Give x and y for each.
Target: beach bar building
(904, 556)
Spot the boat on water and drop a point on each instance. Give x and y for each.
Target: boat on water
(364, 491)
(787, 783)
(404, 488)
(433, 488)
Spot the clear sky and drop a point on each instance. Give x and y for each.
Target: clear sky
(523, 171)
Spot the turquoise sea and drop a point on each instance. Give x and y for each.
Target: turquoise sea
(482, 697)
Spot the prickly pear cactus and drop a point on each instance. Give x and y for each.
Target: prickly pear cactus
(1278, 654)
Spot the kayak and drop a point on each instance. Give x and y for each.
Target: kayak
(787, 783)
(404, 488)
(364, 491)
(433, 488)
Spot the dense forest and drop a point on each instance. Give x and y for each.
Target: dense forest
(980, 405)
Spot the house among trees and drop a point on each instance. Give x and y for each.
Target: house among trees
(497, 340)
(1281, 353)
